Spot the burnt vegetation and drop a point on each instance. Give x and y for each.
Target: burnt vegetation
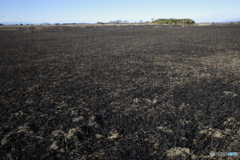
(120, 92)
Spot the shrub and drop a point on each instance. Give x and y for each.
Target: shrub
(173, 21)
(100, 23)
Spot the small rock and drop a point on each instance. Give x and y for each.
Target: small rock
(74, 113)
(71, 133)
(114, 135)
(54, 146)
(77, 119)
(218, 134)
(182, 106)
(93, 118)
(154, 101)
(230, 94)
(98, 136)
(183, 139)
(188, 122)
(231, 119)
(136, 100)
(165, 129)
(178, 151)
(194, 156)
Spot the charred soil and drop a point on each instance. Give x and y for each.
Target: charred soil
(120, 92)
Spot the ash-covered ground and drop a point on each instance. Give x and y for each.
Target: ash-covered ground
(120, 92)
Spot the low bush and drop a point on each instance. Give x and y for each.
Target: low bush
(174, 21)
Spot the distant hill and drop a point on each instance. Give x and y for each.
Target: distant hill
(174, 21)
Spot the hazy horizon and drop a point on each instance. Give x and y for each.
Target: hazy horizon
(92, 11)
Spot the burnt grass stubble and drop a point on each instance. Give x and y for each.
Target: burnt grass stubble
(126, 92)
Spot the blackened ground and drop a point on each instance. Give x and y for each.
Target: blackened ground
(126, 92)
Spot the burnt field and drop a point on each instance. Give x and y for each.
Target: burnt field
(120, 92)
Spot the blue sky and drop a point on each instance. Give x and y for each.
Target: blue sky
(92, 11)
